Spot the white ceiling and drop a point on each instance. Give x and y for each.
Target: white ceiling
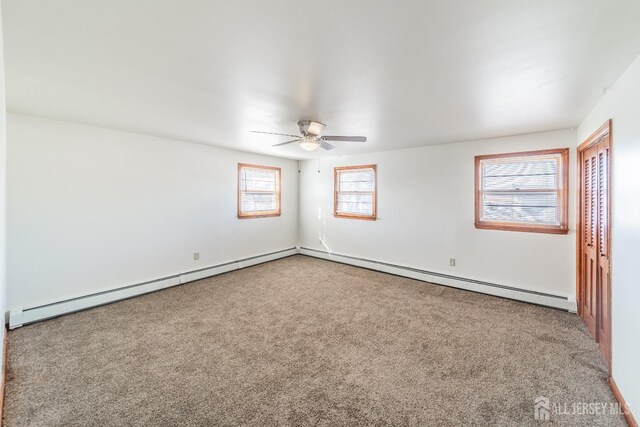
(403, 73)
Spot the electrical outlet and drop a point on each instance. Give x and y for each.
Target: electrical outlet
(196, 256)
(452, 262)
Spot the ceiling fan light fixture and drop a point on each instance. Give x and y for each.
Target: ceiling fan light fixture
(315, 128)
(311, 139)
(310, 127)
(309, 144)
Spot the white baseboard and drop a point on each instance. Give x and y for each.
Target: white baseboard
(23, 316)
(525, 295)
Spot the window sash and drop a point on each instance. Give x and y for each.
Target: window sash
(523, 191)
(519, 211)
(258, 191)
(355, 192)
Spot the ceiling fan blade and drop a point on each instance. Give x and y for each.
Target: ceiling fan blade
(275, 133)
(345, 138)
(287, 142)
(326, 145)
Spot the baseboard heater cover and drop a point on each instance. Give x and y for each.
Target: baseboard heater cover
(23, 316)
(534, 297)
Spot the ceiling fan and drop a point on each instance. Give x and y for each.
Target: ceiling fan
(310, 138)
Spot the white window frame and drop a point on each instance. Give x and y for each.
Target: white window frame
(336, 185)
(259, 214)
(562, 194)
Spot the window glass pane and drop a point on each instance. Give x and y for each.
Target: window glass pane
(258, 179)
(521, 189)
(522, 173)
(259, 190)
(357, 180)
(257, 202)
(355, 203)
(530, 208)
(356, 192)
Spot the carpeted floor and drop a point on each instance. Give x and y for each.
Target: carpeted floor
(301, 341)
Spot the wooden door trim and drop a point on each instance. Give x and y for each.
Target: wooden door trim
(623, 404)
(597, 136)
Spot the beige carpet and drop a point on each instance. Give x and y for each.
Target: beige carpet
(302, 341)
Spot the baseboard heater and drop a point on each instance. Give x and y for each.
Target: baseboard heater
(534, 297)
(23, 316)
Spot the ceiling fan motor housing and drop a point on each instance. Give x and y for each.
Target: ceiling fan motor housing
(309, 127)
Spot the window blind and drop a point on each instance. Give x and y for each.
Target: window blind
(521, 189)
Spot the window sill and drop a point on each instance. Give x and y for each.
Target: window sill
(364, 217)
(521, 228)
(262, 215)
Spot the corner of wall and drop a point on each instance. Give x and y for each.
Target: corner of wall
(3, 169)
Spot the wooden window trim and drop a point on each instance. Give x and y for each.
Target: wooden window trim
(336, 186)
(260, 214)
(563, 195)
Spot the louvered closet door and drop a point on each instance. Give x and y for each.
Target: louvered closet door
(589, 262)
(604, 279)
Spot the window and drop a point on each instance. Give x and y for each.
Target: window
(258, 191)
(523, 191)
(355, 192)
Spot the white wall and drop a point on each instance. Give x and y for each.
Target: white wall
(622, 104)
(92, 209)
(426, 216)
(3, 198)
